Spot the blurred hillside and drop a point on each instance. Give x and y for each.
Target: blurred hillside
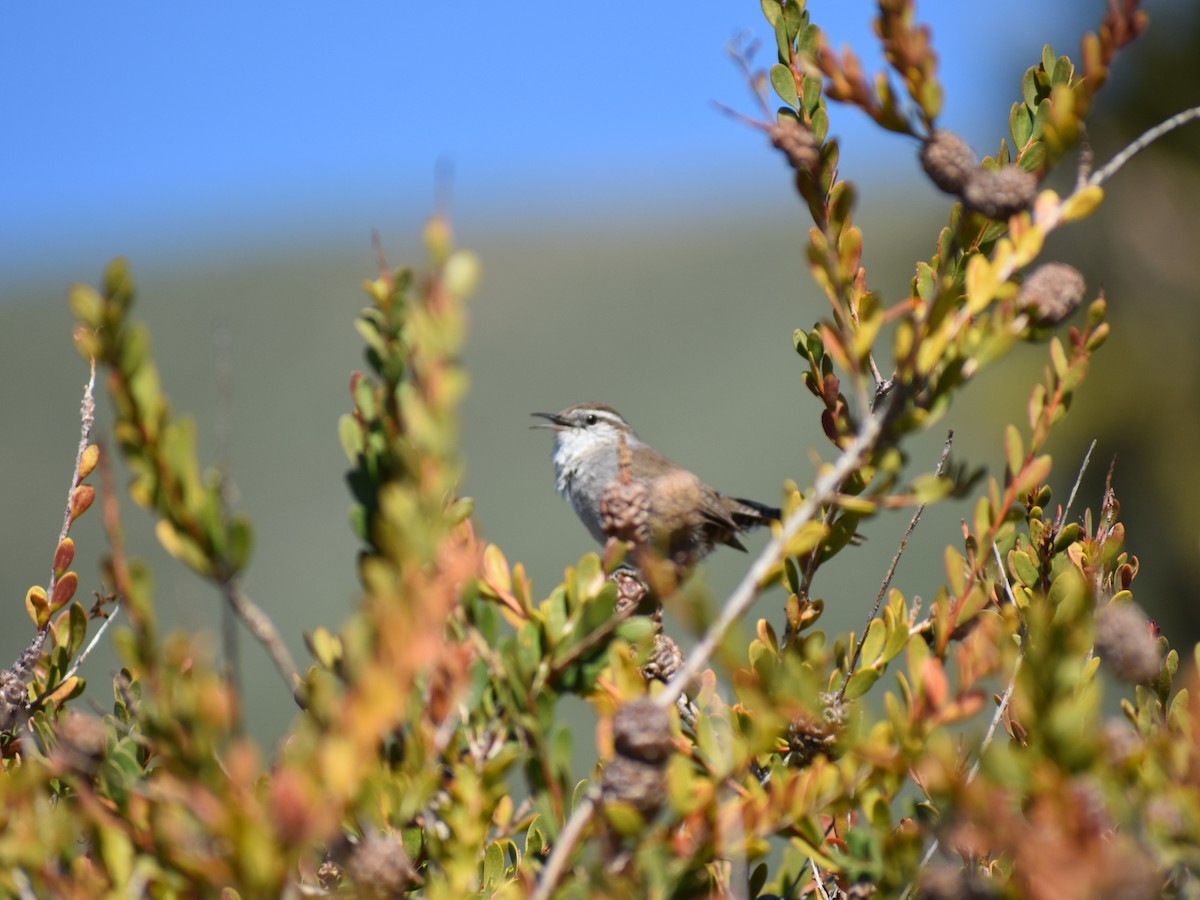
(676, 310)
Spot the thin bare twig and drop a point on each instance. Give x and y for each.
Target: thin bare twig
(264, 631)
(570, 835)
(741, 52)
(818, 880)
(1147, 138)
(887, 579)
(1001, 708)
(1086, 157)
(23, 884)
(87, 417)
(1003, 574)
(1078, 479)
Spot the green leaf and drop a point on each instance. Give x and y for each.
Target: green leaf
(598, 610)
(239, 543)
(535, 837)
(77, 620)
(1049, 58)
(1058, 358)
(956, 571)
(85, 304)
(783, 46)
(412, 840)
(528, 650)
(578, 794)
(784, 83)
(1014, 450)
(861, 682)
(493, 866)
(931, 487)
(1020, 125)
(1023, 568)
(134, 349)
(1062, 71)
(970, 605)
(351, 436)
(1177, 716)
(794, 18)
(368, 330)
(1033, 158)
(636, 629)
(897, 641)
(1034, 475)
(1067, 536)
(811, 90)
(873, 643)
(926, 282)
(1029, 91)
(758, 879)
(624, 819)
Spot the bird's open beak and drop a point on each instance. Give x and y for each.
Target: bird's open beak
(556, 423)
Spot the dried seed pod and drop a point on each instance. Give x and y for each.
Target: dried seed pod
(631, 590)
(642, 785)
(810, 734)
(665, 660)
(330, 875)
(795, 142)
(14, 686)
(807, 737)
(1000, 193)
(948, 161)
(1051, 292)
(380, 868)
(1126, 643)
(642, 730)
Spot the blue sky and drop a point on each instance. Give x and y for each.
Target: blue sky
(173, 125)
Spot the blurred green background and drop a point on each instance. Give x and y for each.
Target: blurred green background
(672, 300)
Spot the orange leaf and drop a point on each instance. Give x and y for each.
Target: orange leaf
(63, 554)
(81, 499)
(933, 682)
(87, 462)
(64, 590)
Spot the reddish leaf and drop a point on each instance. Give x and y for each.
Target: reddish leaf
(64, 553)
(64, 590)
(81, 499)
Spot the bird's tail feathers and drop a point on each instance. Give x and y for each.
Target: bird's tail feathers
(753, 513)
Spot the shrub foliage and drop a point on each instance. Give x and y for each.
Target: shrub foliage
(959, 748)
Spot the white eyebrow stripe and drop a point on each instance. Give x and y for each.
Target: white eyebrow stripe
(607, 417)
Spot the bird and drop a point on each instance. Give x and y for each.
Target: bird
(683, 517)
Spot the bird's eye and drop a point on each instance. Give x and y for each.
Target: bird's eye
(591, 419)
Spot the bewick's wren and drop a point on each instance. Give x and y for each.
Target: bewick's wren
(686, 517)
